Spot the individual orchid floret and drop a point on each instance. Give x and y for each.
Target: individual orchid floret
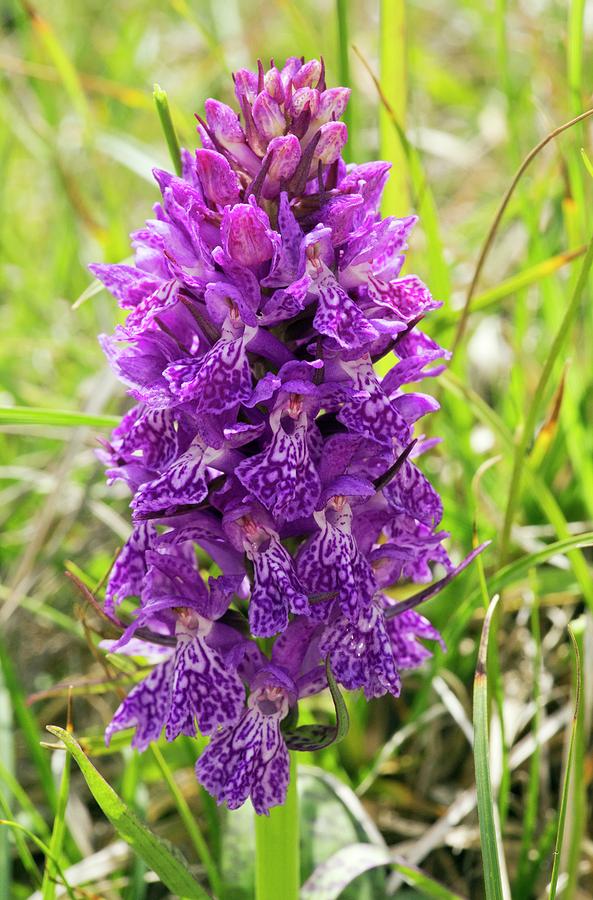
(197, 681)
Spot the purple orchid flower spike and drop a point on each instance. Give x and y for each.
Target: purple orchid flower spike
(263, 440)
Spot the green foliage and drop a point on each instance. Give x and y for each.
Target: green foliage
(167, 861)
(469, 93)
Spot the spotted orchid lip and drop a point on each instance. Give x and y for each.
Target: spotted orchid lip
(263, 439)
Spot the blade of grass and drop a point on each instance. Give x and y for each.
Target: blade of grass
(492, 851)
(489, 240)
(524, 873)
(536, 402)
(25, 415)
(344, 74)
(48, 887)
(576, 814)
(511, 574)
(162, 105)
(163, 858)
(423, 196)
(494, 672)
(507, 288)
(66, 69)
(190, 823)
(28, 726)
(26, 804)
(22, 848)
(6, 764)
(394, 81)
(539, 489)
(569, 765)
(16, 826)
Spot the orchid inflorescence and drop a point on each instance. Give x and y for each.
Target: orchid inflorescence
(263, 445)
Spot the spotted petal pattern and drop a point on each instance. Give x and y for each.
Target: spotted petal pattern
(249, 760)
(263, 290)
(203, 688)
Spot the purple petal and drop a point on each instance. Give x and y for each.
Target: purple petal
(146, 707)
(204, 689)
(338, 317)
(361, 655)
(218, 381)
(276, 590)
(283, 477)
(250, 759)
(183, 482)
(220, 183)
(246, 234)
(130, 566)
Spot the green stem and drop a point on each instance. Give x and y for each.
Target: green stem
(344, 68)
(277, 864)
(162, 106)
(396, 200)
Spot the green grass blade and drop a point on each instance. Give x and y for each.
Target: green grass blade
(25, 855)
(490, 841)
(576, 815)
(45, 849)
(190, 823)
(488, 299)
(25, 415)
(392, 37)
(48, 888)
(162, 105)
(331, 877)
(344, 75)
(6, 764)
(64, 65)
(393, 203)
(523, 880)
(511, 574)
(569, 765)
(538, 397)
(163, 858)
(28, 726)
(22, 798)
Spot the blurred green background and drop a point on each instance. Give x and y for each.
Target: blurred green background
(474, 86)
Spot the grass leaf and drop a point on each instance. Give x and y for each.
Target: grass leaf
(490, 841)
(28, 415)
(162, 857)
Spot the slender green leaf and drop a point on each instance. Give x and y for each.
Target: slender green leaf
(490, 841)
(392, 36)
(511, 574)
(22, 847)
(533, 411)
(572, 771)
(162, 105)
(523, 879)
(331, 877)
(28, 726)
(168, 863)
(16, 826)
(23, 415)
(344, 63)
(316, 737)
(190, 823)
(48, 888)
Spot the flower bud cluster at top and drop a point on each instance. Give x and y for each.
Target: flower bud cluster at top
(264, 290)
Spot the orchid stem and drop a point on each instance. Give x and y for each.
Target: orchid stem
(277, 856)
